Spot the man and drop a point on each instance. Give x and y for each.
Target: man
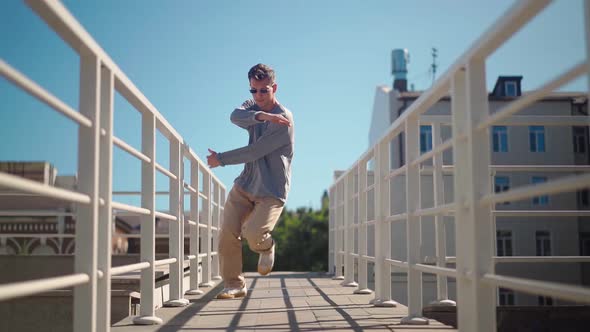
(256, 200)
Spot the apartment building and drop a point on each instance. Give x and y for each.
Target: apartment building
(36, 225)
(522, 153)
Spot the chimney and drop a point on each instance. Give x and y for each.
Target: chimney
(399, 68)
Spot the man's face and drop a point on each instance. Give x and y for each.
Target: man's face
(263, 93)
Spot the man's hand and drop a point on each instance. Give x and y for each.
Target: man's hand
(274, 118)
(212, 160)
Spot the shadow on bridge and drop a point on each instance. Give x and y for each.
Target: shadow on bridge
(283, 301)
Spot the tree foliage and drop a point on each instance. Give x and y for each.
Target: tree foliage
(301, 238)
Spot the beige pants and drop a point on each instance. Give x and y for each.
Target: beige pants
(250, 217)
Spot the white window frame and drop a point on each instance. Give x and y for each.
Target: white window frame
(580, 195)
(501, 134)
(428, 133)
(506, 89)
(542, 200)
(540, 250)
(537, 132)
(504, 240)
(506, 189)
(503, 296)
(577, 136)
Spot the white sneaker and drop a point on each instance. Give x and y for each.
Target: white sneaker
(266, 261)
(232, 293)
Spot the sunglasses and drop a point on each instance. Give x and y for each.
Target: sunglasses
(263, 91)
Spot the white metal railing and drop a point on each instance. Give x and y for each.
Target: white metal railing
(358, 189)
(100, 78)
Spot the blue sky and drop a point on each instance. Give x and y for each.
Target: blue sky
(190, 59)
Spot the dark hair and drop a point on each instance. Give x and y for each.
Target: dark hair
(260, 72)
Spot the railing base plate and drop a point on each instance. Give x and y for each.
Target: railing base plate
(349, 284)
(363, 291)
(443, 303)
(177, 303)
(206, 284)
(147, 320)
(383, 303)
(338, 278)
(415, 320)
(217, 278)
(194, 292)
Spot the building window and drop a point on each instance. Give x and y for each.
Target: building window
(500, 139)
(585, 244)
(537, 138)
(505, 296)
(501, 184)
(543, 240)
(583, 197)
(504, 243)
(540, 200)
(425, 138)
(580, 139)
(545, 300)
(510, 89)
(580, 108)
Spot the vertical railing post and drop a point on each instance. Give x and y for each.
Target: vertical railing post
(175, 228)
(378, 189)
(147, 282)
(182, 218)
(492, 176)
(385, 151)
(474, 233)
(382, 245)
(194, 230)
(222, 199)
(88, 183)
(345, 229)
(413, 226)
(215, 238)
(349, 231)
(206, 239)
(442, 292)
(331, 232)
(105, 213)
(362, 241)
(338, 232)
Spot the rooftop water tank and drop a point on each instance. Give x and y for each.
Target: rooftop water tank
(399, 63)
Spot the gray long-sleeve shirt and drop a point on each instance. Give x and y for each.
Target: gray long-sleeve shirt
(268, 155)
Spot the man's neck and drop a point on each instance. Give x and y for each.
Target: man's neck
(274, 104)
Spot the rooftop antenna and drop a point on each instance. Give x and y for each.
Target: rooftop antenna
(434, 65)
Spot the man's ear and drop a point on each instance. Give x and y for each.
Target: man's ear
(274, 87)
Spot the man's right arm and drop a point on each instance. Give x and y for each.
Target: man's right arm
(276, 136)
(245, 115)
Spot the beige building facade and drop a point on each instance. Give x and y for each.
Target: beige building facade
(522, 154)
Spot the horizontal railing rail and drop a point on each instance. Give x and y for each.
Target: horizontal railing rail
(25, 288)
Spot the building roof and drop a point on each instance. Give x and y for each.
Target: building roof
(576, 96)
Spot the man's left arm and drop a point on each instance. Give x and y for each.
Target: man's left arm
(277, 136)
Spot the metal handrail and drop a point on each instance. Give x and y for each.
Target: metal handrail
(93, 197)
(474, 201)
